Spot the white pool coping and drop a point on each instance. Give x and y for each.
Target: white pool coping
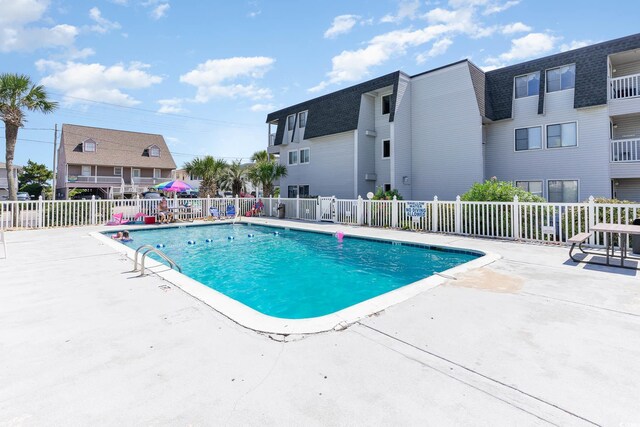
(253, 319)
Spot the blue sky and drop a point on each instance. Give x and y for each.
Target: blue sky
(204, 74)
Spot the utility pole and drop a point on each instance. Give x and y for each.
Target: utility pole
(55, 146)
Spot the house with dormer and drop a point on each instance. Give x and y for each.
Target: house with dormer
(111, 163)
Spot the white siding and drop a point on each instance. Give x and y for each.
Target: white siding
(446, 134)
(401, 148)
(330, 168)
(383, 130)
(627, 189)
(588, 162)
(366, 145)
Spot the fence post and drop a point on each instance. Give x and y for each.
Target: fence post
(93, 210)
(297, 206)
(394, 212)
(434, 215)
(359, 213)
(237, 205)
(592, 218)
(318, 210)
(515, 219)
(40, 212)
(458, 215)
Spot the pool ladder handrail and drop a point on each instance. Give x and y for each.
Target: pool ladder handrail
(151, 250)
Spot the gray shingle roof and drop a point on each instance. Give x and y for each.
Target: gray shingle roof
(114, 148)
(335, 112)
(591, 76)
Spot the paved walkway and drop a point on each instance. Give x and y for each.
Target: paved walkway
(530, 339)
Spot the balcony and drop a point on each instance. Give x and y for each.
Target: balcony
(143, 180)
(273, 148)
(624, 83)
(625, 150)
(93, 179)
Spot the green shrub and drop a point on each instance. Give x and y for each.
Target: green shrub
(493, 190)
(386, 195)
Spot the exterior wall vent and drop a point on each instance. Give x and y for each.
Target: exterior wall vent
(370, 177)
(371, 133)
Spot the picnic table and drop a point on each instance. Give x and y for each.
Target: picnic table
(622, 230)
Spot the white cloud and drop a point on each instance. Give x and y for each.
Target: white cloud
(20, 12)
(74, 53)
(516, 27)
(102, 25)
(533, 44)
(263, 108)
(497, 7)
(216, 78)
(171, 106)
(353, 65)
(408, 9)
(574, 44)
(254, 13)
(438, 48)
(341, 25)
(17, 35)
(96, 81)
(160, 11)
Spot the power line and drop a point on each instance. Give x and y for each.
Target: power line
(184, 116)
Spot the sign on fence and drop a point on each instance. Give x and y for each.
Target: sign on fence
(415, 209)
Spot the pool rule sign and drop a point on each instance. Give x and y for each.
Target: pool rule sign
(415, 209)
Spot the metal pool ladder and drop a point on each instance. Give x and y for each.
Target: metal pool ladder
(148, 249)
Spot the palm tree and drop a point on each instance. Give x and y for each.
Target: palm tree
(210, 170)
(265, 173)
(235, 177)
(18, 93)
(260, 156)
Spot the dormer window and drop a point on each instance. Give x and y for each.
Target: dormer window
(302, 119)
(154, 151)
(89, 146)
(291, 122)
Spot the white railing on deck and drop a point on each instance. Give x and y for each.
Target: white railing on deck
(624, 87)
(625, 150)
(95, 179)
(538, 222)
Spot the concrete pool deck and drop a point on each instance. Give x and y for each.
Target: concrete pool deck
(530, 339)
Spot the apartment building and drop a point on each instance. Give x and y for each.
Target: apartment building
(4, 181)
(565, 127)
(111, 163)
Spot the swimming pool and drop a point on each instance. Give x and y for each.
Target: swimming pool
(293, 274)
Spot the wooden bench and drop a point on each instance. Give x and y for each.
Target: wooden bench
(579, 240)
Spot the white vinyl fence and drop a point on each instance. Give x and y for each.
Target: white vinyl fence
(538, 222)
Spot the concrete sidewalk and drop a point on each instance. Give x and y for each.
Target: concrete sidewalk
(530, 339)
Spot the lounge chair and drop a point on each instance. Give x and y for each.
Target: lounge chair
(138, 219)
(214, 212)
(231, 211)
(117, 219)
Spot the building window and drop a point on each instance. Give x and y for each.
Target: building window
(154, 151)
(386, 104)
(533, 187)
(293, 157)
(304, 156)
(303, 190)
(386, 148)
(562, 135)
(529, 138)
(292, 192)
(89, 146)
(157, 173)
(135, 173)
(117, 170)
(561, 78)
(563, 191)
(387, 187)
(291, 122)
(302, 119)
(86, 171)
(528, 85)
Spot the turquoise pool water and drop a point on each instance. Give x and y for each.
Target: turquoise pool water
(296, 274)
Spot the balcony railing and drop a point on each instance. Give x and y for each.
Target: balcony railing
(272, 139)
(95, 179)
(624, 87)
(625, 150)
(143, 180)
